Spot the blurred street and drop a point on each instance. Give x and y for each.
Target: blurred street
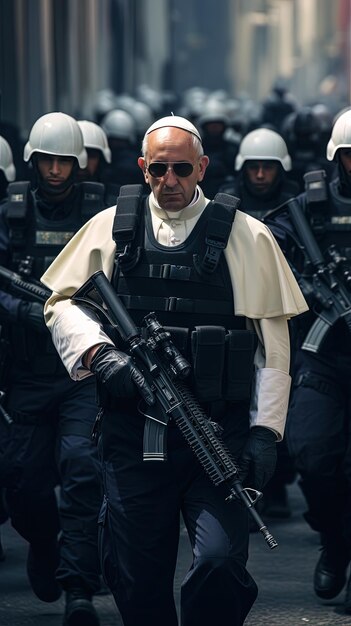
(284, 577)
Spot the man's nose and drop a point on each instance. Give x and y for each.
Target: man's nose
(55, 167)
(170, 178)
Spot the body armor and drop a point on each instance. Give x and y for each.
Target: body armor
(329, 213)
(38, 232)
(330, 217)
(193, 299)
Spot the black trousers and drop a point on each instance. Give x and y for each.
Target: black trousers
(318, 434)
(139, 534)
(50, 441)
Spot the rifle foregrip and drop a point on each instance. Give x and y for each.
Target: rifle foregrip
(17, 286)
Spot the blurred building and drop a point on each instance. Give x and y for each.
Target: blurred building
(57, 54)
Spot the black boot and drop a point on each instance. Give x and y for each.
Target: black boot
(79, 607)
(330, 572)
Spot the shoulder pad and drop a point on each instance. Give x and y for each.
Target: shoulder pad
(18, 196)
(128, 207)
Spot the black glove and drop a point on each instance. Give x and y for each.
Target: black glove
(117, 373)
(32, 315)
(258, 458)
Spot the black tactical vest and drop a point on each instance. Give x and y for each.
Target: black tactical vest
(189, 288)
(330, 216)
(37, 234)
(329, 212)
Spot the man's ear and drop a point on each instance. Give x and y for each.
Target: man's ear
(141, 163)
(203, 163)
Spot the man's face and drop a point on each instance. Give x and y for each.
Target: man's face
(54, 170)
(345, 158)
(173, 145)
(261, 174)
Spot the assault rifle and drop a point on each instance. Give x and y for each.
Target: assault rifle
(164, 367)
(330, 281)
(13, 283)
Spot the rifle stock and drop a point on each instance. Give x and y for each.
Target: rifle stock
(173, 398)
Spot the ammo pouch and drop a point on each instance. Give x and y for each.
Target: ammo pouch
(223, 363)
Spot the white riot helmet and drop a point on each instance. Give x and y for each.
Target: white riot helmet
(6, 160)
(95, 137)
(341, 135)
(119, 124)
(265, 145)
(56, 134)
(213, 111)
(143, 116)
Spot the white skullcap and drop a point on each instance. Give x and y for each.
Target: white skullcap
(174, 121)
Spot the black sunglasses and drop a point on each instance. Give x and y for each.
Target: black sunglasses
(159, 169)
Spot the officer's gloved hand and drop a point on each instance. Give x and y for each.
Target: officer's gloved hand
(258, 458)
(116, 371)
(32, 315)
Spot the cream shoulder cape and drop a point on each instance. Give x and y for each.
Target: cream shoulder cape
(263, 283)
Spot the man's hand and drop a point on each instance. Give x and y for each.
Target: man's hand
(117, 373)
(32, 315)
(258, 458)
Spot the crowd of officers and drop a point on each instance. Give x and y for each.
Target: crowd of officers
(71, 169)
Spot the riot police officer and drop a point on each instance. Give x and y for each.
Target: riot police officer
(303, 134)
(278, 105)
(99, 157)
(52, 417)
(262, 166)
(120, 128)
(318, 424)
(7, 175)
(7, 167)
(214, 123)
(97, 148)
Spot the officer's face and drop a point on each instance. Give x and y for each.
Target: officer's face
(345, 158)
(173, 145)
(54, 170)
(261, 174)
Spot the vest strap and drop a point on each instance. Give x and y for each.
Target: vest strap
(179, 305)
(219, 227)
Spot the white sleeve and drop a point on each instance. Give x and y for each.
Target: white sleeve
(74, 330)
(270, 397)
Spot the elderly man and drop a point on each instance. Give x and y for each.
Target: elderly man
(172, 266)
